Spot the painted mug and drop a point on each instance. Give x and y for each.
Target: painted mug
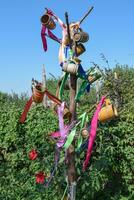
(38, 94)
(70, 67)
(66, 113)
(108, 112)
(81, 36)
(85, 133)
(48, 21)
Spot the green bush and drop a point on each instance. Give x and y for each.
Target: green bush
(110, 173)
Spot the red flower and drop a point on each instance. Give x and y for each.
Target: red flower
(33, 154)
(40, 177)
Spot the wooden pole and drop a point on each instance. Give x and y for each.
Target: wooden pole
(44, 85)
(97, 91)
(116, 92)
(89, 11)
(71, 172)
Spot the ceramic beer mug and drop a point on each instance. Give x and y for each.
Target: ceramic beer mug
(108, 112)
(81, 36)
(70, 67)
(93, 75)
(48, 21)
(85, 133)
(66, 113)
(38, 94)
(80, 49)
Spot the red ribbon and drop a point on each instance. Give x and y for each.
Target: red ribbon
(27, 108)
(29, 103)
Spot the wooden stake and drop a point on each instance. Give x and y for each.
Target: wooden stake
(71, 172)
(86, 14)
(44, 85)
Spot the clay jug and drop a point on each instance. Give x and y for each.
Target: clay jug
(81, 36)
(70, 67)
(108, 112)
(85, 133)
(48, 21)
(80, 49)
(38, 95)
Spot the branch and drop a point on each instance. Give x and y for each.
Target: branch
(89, 11)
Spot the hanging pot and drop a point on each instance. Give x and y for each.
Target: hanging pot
(94, 75)
(48, 21)
(81, 36)
(70, 67)
(85, 133)
(66, 113)
(38, 94)
(80, 49)
(108, 112)
(93, 78)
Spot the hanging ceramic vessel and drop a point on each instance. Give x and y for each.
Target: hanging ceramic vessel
(66, 113)
(93, 75)
(79, 49)
(81, 36)
(38, 94)
(108, 112)
(48, 21)
(70, 67)
(85, 133)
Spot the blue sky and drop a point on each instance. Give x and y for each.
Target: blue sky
(110, 26)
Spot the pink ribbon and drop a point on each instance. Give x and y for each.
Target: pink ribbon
(51, 35)
(63, 129)
(43, 37)
(55, 134)
(92, 134)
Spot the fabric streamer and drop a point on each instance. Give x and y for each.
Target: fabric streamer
(82, 89)
(62, 128)
(61, 125)
(81, 72)
(53, 97)
(26, 109)
(62, 85)
(66, 49)
(62, 134)
(30, 101)
(55, 134)
(88, 88)
(83, 118)
(51, 35)
(92, 134)
(70, 138)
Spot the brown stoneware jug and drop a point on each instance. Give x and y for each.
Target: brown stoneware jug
(108, 112)
(48, 21)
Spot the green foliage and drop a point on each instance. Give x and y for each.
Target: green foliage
(110, 173)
